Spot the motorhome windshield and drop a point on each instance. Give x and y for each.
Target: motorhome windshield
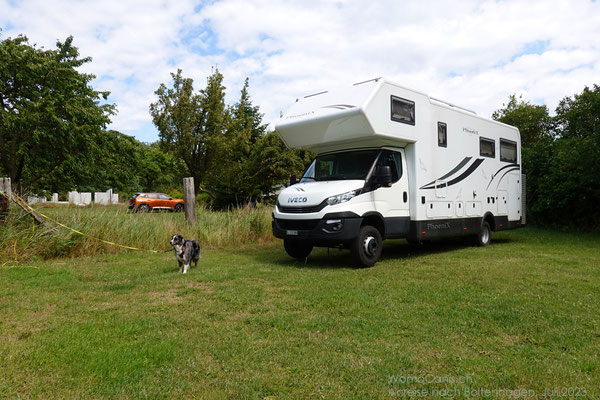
(340, 166)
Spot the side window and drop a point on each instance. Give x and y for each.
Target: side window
(487, 147)
(403, 110)
(442, 134)
(392, 159)
(164, 197)
(508, 150)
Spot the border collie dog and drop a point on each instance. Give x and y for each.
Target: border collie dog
(186, 251)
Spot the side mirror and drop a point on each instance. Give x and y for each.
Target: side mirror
(383, 176)
(293, 179)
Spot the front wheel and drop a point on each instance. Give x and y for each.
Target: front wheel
(297, 248)
(178, 207)
(366, 248)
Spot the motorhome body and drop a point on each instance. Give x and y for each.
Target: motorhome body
(395, 163)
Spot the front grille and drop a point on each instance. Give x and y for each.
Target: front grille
(297, 224)
(301, 210)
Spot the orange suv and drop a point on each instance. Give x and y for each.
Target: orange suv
(144, 202)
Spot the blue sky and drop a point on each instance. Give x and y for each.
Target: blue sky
(471, 53)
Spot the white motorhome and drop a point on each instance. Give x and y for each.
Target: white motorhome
(395, 163)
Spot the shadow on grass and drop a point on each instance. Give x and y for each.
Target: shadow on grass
(335, 258)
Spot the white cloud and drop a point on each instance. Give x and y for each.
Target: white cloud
(472, 53)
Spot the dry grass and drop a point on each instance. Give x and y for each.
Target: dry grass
(22, 240)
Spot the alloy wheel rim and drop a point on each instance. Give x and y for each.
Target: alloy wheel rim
(485, 235)
(370, 245)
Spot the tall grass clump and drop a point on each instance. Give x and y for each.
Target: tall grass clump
(21, 239)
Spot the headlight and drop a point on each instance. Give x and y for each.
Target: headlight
(341, 198)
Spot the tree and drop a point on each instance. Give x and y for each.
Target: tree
(580, 116)
(255, 163)
(48, 110)
(224, 148)
(272, 163)
(533, 121)
(561, 158)
(569, 188)
(191, 125)
(157, 169)
(233, 184)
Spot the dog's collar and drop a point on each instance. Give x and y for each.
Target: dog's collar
(184, 249)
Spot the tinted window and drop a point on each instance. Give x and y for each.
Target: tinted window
(508, 150)
(394, 161)
(442, 135)
(164, 197)
(403, 110)
(487, 147)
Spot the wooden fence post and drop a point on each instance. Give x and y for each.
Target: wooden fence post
(5, 194)
(189, 197)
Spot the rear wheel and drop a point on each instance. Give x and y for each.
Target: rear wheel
(143, 208)
(366, 248)
(484, 236)
(297, 248)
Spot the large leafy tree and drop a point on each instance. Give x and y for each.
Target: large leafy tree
(157, 170)
(192, 125)
(233, 184)
(561, 157)
(225, 148)
(49, 111)
(532, 120)
(579, 116)
(570, 186)
(253, 164)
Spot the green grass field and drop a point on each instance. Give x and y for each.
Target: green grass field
(441, 319)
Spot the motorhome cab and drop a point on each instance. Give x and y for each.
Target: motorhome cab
(395, 163)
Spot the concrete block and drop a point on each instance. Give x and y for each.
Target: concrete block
(85, 198)
(74, 197)
(102, 198)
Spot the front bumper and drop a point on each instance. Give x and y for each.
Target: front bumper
(334, 228)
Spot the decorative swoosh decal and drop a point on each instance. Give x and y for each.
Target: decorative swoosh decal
(507, 171)
(452, 172)
(495, 174)
(339, 106)
(468, 172)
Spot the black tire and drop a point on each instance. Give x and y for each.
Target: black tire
(178, 207)
(484, 236)
(297, 248)
(366, 248)
(143, 208)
